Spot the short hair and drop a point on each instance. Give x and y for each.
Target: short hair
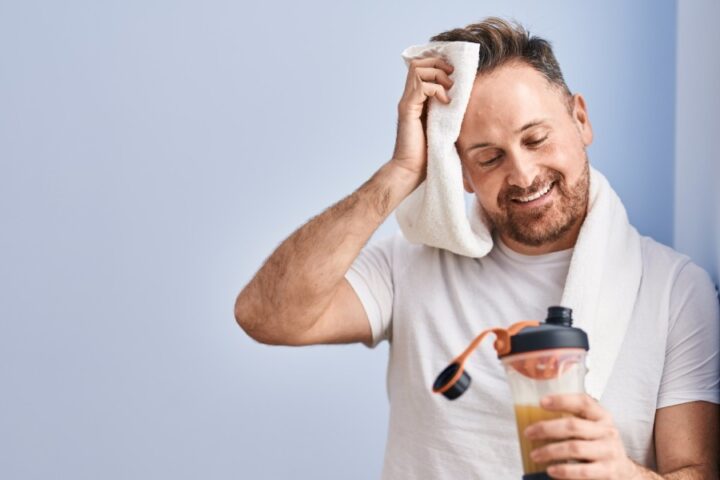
(502, 41)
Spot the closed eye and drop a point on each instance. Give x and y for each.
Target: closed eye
(537, 142)
(487, 163)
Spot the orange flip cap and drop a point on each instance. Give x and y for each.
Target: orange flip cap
(453, 381)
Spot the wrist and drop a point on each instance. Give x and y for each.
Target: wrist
(638, 472)
(404, 175)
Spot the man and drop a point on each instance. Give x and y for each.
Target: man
(522, 148)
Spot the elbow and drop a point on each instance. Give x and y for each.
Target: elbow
(247, 323)
(240, 313)
(250, 321)
(245, 318)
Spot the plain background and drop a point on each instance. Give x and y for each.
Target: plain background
(154, 153)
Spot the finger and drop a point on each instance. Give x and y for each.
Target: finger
(580, 404)
(437, 91)
(567, 427)
(571, 450)
(416, 92)
(437, 62)
(578, 470)
(434, 75)
(415, 105)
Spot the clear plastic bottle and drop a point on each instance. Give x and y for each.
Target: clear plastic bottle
(540, 359)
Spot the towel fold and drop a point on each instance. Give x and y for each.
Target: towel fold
(606, 266)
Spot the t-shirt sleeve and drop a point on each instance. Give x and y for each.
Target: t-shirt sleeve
(692, 360)
(370, 275)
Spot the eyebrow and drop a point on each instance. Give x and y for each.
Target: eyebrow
(517, 132)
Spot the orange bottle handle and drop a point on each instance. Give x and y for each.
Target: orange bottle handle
(501, 344)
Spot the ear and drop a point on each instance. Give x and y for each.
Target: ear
(581, 119)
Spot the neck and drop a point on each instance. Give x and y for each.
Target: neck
(566, 241)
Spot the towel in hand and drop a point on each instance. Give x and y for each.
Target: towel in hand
(434, 214)
(606, 266)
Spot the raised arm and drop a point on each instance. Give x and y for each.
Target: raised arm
(300, 296)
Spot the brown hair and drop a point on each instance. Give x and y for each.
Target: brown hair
(502, 41)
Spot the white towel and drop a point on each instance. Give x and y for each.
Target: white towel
(606, 266)
(434, 214)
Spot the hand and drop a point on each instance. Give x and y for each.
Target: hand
(427, 77)
(590, 436)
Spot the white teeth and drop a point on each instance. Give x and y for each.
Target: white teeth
(535, 196)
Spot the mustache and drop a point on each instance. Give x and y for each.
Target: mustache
(513, 191)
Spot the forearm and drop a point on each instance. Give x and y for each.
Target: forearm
(296, 283)
(693, 472)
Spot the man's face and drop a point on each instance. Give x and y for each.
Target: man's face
(523, 155)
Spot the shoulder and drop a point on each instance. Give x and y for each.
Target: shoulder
(403, 254)
(662, 259)
(656, 254)
(662, 264)
(397, 248)
(671, 273)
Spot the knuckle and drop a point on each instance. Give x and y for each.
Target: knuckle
(574, 448)
(572, 425)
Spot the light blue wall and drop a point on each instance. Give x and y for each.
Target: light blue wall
(152, 154)
(697, 153)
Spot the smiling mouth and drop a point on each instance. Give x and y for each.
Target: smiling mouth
(535, 196)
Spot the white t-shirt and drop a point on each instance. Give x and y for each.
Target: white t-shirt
(430, 303)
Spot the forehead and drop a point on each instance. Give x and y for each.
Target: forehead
(507, 98)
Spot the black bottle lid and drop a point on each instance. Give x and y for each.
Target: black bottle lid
(556, 332)
(559, 316)
(457, 388)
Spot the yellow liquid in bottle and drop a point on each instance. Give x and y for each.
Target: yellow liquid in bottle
(526, 415)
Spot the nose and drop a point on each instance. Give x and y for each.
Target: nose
(523, 170)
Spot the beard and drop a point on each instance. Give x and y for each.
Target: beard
(549, 222)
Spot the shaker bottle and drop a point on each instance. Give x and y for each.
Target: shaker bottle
(539, 359)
